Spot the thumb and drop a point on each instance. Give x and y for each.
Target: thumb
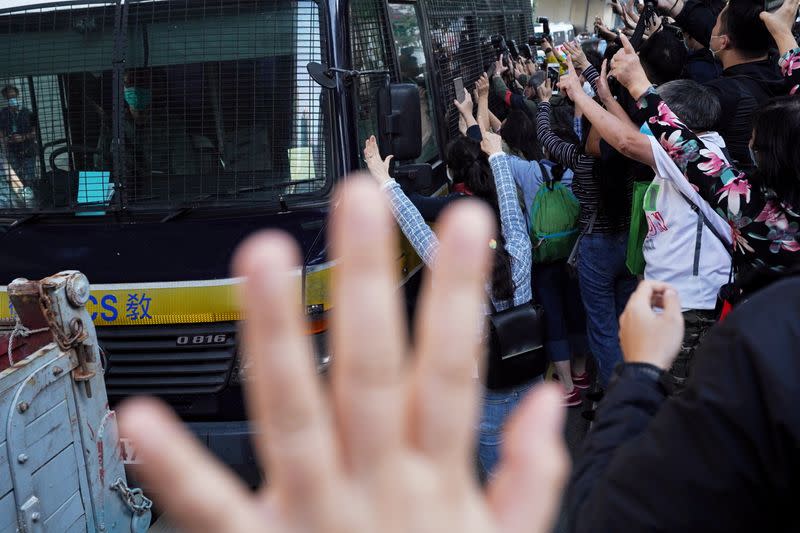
(534, 467)
(626, 44)
(671, 303)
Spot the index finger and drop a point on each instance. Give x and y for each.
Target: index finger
(626, 44)
(570, 66)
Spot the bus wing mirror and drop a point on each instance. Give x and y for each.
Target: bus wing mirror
(399, 123)
(321, 74)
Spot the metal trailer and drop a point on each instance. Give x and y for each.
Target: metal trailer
(61, 464)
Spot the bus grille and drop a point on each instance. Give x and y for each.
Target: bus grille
(150, 361)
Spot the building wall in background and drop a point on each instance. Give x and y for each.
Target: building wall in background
(574, 11)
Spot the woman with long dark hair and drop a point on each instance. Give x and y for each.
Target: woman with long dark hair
(479, 170)
(605, 282)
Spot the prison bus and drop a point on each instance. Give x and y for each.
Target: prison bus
(167, 131)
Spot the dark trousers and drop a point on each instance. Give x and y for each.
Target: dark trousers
(564, 317)
(696, 325)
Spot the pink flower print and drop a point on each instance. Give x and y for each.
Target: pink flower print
(784, 238)
(666, 117)
(740, 242)
(680, 151)
(714, 165)
(733, 191)
(773, 216)
(790, 64)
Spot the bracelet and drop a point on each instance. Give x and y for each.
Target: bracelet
(673, 7)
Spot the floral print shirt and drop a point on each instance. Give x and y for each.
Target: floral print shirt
(766, 231)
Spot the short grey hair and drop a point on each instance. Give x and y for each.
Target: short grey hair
(695, 105)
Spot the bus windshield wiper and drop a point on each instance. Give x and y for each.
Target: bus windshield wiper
(266, 187)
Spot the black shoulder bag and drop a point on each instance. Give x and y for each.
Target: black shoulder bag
(516, 346)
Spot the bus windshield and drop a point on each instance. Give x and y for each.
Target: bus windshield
(160, 104)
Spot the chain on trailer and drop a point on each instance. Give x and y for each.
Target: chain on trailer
(59, 436)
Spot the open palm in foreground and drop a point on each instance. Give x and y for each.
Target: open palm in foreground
(387, 446)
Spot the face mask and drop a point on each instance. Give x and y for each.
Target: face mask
(13, 102)
(714, 52)
(137, 98)
(753, 156)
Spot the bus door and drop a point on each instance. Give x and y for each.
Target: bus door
(406, 28)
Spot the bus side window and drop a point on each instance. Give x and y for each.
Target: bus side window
(411, 57)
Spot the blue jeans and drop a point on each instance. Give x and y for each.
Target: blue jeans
(606, 284)
(564, 317)
(497, 406)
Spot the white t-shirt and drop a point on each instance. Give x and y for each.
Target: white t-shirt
(671, 243)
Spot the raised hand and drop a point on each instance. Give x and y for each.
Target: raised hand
(545, 91)
(627, 69)
(569, 83)
(492, 143)
(576, 53)
(500, 67)
(482, 86)
(603, 89)
(387, 445)
(465, 107)
(780, 24)
(378, 168)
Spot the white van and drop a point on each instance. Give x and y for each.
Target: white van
(560, 32)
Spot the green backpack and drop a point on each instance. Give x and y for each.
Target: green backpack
(553, 221)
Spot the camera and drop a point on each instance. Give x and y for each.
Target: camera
(537, 39)
(526, 51)
(502, 52)
(513, 50)
(545, 22)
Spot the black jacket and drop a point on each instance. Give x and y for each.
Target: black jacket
(723, 456)
(742, 89)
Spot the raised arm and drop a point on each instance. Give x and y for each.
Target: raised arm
(408, 217)
(562, 151)
(780, 25)
(512, 222)
(625, 138)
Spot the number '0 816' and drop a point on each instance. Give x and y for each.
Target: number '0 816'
(185, 340)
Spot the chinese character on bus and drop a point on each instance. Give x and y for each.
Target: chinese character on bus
(138, 307)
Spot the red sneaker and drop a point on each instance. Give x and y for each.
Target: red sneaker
(582, 381)
(572, 399)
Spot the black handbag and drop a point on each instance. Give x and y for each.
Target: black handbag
(516, 346)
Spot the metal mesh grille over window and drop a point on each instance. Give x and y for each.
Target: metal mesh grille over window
(213, 105)
(461, 33)
(372, 48)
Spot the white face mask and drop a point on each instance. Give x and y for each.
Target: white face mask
(714, 52)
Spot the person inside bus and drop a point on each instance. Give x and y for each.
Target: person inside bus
(13, 192)
(18, 136)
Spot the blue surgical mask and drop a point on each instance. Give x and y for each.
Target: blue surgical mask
(13, 102)
(137, 97)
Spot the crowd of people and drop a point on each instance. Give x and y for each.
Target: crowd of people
(648, 202)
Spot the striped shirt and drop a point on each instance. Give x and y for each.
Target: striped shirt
(512, 226)
(585, 185)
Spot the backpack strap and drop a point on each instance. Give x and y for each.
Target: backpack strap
(702, 220)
